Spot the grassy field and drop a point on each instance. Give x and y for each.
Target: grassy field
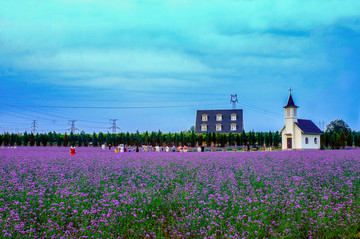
(46, 193)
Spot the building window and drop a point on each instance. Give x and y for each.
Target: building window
(203, 127)
(288, 112)
(233, 117)
(315, 140)
(218, 127)
(219, 117)
(204, 117)
(233, 127)
(306, 140)
(294, 112)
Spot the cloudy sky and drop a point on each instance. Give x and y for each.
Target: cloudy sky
(151, 64)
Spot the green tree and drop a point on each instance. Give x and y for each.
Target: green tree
(337, 126)
(101, 138)
(356, 140)
(66, 140)
(26, 138)
(7, 139)
(349, 139)
(192, 129)
(59, 140)
(342, 139)
(277, 139)
(244, 139)
(43, 139)
(37, 139)
(232, 139)
(95, 139)
(192, 139)
(32, 139)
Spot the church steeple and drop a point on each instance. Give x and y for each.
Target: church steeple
(290, 103)
(290, 112)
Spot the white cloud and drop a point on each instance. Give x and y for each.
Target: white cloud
(119, 61)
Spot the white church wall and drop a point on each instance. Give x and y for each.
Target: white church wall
(283, 140)
(298, 142)
(311, 143)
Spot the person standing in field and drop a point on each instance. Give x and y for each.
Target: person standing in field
(72, 150)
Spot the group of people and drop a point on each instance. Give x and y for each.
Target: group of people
(144, 148)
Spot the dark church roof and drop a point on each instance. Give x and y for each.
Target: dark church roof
(308, 127)
(290, 103)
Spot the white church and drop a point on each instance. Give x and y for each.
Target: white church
(298, 133)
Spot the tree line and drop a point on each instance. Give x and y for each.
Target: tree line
(336, 140)
(251, 138)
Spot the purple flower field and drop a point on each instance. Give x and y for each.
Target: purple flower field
(46, 193)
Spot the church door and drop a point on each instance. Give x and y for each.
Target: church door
(289, 143)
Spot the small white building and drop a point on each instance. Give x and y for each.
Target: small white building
(298, 133)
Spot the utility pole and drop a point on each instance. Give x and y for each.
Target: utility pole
(34, 127)
(113, 127)
(73, 127)
(233, 101)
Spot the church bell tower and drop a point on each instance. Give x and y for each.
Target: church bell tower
(290, 117)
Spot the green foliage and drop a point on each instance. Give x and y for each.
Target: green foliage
(337, 126)
(332, 140)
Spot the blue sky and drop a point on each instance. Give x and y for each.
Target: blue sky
(160, 61)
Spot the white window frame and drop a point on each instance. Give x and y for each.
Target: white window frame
(203, 126)
(233, 117)
(219, 117)
(218, 127)
(233, 127)
(204, 117)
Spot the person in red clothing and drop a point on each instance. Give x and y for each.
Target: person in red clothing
(72, 150)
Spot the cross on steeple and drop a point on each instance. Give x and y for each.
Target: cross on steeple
(290, 90)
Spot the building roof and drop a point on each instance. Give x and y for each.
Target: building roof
(225, 122)
(308, 127)
(291, 103)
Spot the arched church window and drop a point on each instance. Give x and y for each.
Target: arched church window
(315, 140)
(306, 140)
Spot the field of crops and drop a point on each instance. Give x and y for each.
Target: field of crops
(46, 193)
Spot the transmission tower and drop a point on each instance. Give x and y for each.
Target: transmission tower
(34, 127)
(113, 127)
(73, 128)
(322, 126)
(233, 101)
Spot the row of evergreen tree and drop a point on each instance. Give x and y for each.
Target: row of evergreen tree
(136, 139)
(332, 140)
(336, 140)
